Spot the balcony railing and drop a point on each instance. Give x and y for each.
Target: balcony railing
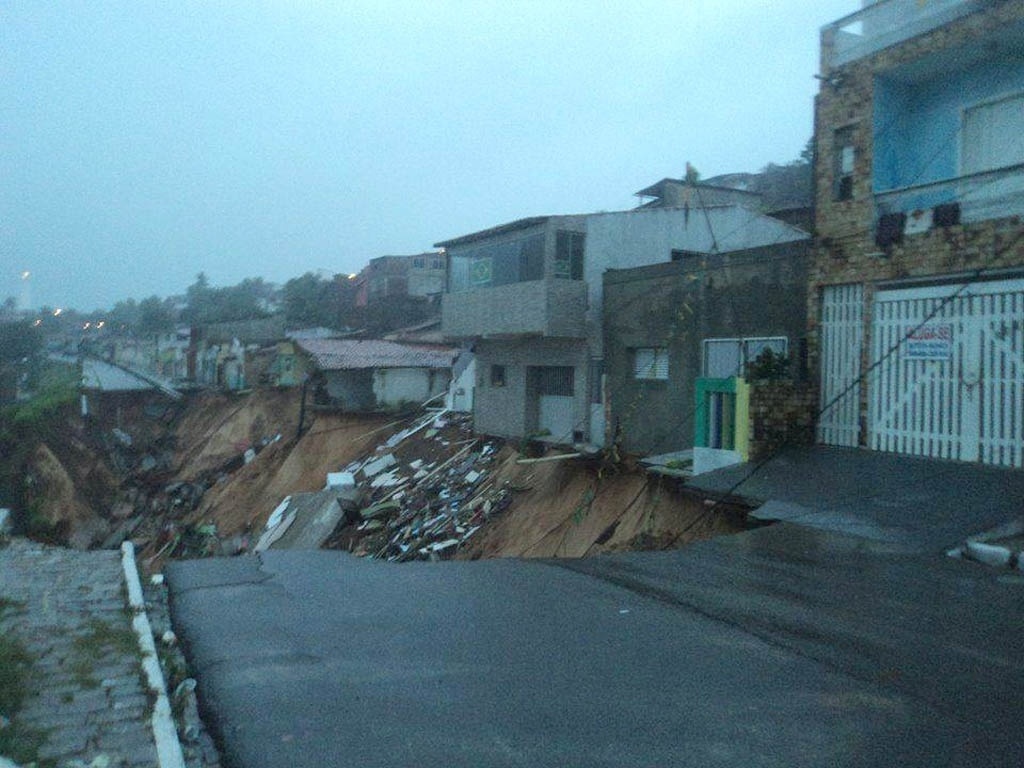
(886, 23)
(555, 308)
(981, 196)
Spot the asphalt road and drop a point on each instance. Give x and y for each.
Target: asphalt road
(779, 647)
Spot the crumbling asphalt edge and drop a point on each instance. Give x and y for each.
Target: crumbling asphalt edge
(168, 748)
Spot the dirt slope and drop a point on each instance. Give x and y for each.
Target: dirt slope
(71, 492)
(560, 508)
(216, 427)
(245, 500)
(573, 508)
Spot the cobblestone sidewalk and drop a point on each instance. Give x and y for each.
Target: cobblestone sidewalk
(87, 693)
(68, 609)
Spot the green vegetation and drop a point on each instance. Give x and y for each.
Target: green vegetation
(207, 304)
(57, 388)
(16, 741)
(767, 365)
(99, 640)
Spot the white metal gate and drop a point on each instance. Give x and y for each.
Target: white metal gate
(842, 334)
(556, 402)
(949, 381)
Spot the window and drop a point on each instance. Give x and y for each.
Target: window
(437, 263)
(844, 155)
(491, 264)
(569, 255)
(725, 358)
(650, 363)
(497, 375)
(419, 262)
(555, 381)
(993, 135)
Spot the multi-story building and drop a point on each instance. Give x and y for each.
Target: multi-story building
(528, 296)
(400, 276)
(917, 284)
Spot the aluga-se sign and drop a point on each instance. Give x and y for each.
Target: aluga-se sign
(929, 342)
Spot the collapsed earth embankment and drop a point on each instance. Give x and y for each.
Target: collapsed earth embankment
(203, 477)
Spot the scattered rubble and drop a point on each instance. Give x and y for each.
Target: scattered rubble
(409, 500)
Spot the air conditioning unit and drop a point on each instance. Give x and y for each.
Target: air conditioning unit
(946, 215)
(889, 231)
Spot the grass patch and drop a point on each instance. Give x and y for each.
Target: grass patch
(6, 604)
(16, 741)
(15, 665)
(99, 640)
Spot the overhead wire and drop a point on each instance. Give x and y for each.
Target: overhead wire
(964, 285)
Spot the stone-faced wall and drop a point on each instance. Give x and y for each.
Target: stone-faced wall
(845, 250)
(781, 414)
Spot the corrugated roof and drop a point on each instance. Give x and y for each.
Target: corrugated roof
(97, 374)
(349, 354)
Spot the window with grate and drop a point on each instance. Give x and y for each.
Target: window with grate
(557, 381)
(650, 363)
(844, 155)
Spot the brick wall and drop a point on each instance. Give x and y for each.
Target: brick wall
(781, 413)
(845, 249)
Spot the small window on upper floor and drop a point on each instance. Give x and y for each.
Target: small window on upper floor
(569, 255)
(993, 135)
(419, 262)
(650, 363)
(844, 155)
(497, 375)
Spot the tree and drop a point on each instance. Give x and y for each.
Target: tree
(154, 316)
(788, 185)
(222, 305)
(199, 297)
(310, 301)
(18, 341)
(124, 316)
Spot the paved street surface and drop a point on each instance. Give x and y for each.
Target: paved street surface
(310, 659)
(845, 638)
(68, 609)
(920, 504)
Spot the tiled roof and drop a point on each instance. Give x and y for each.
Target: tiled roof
(349, 354)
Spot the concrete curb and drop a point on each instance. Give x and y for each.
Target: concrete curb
(168, 748)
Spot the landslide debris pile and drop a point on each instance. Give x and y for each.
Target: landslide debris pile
(421, 495)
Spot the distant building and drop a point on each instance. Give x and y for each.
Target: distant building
(527, 296)
(374, 375)
(420, 275)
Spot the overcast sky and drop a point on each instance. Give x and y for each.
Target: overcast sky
(142, 142)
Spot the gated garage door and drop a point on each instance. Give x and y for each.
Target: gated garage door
(842, 332)
(950, 383)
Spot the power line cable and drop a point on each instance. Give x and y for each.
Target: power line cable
(861, 378)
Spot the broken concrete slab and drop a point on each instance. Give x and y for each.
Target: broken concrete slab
(314, 516)
(375, 467)
(341, 480)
